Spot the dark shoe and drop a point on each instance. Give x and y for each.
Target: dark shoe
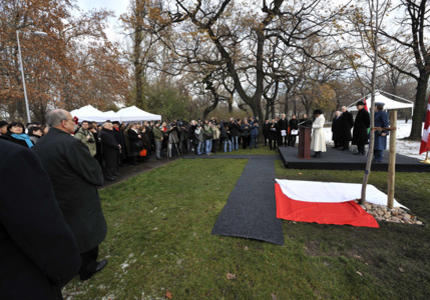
(100, 266)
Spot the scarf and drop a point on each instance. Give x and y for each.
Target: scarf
(23, 137)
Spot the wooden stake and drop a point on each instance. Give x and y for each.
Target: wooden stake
(392, 161)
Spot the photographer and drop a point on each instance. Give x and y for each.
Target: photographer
(86, 137)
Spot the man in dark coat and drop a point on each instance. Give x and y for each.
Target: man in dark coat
(75, 176)
(381, 122)
(345, 125)
(110, 151)
(38, 252)
(360, 135)
(336, 129)
(119, 137)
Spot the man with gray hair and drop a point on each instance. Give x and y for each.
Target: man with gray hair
(75, 175)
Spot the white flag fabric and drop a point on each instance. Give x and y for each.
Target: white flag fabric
(331, 192)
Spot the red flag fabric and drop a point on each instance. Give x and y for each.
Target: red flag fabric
(425, 143)
(343, 213)
(365, 104)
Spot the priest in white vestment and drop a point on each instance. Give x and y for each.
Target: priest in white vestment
(318, 137)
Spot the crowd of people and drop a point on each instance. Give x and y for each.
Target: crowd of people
(63, 165)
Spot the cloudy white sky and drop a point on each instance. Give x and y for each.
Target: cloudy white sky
(117, 6)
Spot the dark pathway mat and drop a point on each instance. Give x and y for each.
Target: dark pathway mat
(232, 156)
(250, 211)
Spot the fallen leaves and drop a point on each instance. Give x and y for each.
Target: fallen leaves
(169, 295)
(231, 276)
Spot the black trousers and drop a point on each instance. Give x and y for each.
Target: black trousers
(89, 262)
(292, 140)
(360, 148)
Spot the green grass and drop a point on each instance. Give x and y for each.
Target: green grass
(160, 224)
(261, 150)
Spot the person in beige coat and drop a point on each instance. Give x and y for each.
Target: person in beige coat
(318, 137)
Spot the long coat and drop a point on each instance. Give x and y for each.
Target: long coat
(136, 143)
(318, 136)
(336, 129)
(38, 252)
(360, 135)
(345, 124)
(381, 120)
(110, 148)
(75, 176)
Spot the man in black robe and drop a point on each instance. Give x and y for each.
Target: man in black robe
(38, 252)
(75, 176)
(360, 135)
(282, 127)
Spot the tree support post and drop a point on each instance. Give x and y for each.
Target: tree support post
(392, 160)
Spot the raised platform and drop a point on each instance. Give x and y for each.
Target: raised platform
(335, 159)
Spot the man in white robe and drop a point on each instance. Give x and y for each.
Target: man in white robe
(318, 137)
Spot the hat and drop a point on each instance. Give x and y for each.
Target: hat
(3, 123)
(116, 122)
(379, 104)
(359, 103)
(318, 112)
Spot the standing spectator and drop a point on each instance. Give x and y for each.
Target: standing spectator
(75, 176)
(110, 151)
(158, 138)
(135, 143)
(235, 132)
(216, 137)
(208, 135)
(86, 137)
(35, 133)
(254, 135)
(381, 122)
(245, 133)
(226, 138)
(294, 131)
(39, 254)
(3, 127)
(15, 133)
(360, 135)
(173, 140)
(200, 139)
(119, 136)
(318, 136)
(336, 130)
(283, 130)
(346, 122)
(273, 135)
(266, 128)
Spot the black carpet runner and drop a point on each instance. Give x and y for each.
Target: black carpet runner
(250, 211)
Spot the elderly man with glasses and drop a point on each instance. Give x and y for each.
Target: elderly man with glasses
(75, 175)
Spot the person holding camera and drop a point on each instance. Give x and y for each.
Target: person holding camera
(86, 137)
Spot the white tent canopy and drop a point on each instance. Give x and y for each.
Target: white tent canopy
(88, 113)
(133, 113)
(127, 114)
(389, 104)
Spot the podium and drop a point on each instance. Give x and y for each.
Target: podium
(304, 142)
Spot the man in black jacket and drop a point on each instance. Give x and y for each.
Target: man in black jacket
(345, 124)
(75, 176)
(38, 252)
(360, 135)
(110, 151)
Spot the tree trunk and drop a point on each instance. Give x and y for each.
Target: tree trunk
(420, 107)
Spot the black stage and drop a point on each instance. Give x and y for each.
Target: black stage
(335, 159)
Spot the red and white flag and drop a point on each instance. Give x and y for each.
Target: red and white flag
(365, 104)
(425, 143)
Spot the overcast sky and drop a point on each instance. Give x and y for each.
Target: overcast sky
(117, 6)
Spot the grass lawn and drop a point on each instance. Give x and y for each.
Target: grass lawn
(261, 150)
(159, 243)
